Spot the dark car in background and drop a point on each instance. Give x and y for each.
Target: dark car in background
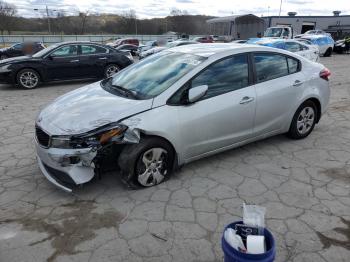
(20, 49)
(204, 39)
(63, 61)
(124, 41)
(132, 49)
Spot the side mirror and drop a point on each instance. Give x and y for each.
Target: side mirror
(196, 93)
(50, 57)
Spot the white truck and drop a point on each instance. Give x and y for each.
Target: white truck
(285, 32)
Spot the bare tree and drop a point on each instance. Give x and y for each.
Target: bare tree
(7, 14)
(83, 17)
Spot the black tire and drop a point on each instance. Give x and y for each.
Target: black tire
(132, 166)
(296, 130)
(108, 68)
(2, 57)
(30, 74)
(328, 52)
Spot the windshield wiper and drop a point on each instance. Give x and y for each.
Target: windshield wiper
(127, 92)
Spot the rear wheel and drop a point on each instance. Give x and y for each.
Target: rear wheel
(146, 164)
(111, 70)
(28, 78)
(304, 121)
(328, 52)
(2, 57)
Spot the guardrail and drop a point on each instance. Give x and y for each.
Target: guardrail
(52, 39)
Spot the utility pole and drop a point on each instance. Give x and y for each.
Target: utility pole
(48, 20)
(279, 15)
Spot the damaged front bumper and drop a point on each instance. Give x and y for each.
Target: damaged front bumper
(66, 168)
(69, 167)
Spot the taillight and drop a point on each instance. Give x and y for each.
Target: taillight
(325, 74)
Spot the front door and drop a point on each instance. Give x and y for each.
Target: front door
(225, 115)
(63, 63)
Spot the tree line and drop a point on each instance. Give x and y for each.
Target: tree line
(89, 23)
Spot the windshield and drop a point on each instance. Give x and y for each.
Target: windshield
(155, 74)
(273, 32)
(45, 50)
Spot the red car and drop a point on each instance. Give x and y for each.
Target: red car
(124, 41)
(204, 39)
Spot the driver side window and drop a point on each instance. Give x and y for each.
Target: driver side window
(221, 77)
(224, 76)
(68, 50)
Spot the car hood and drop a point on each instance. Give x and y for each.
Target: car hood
(86, 109)
(16, 59)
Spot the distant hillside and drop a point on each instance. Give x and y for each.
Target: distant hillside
(112, 24)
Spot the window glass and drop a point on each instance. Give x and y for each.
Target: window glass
(270, 66)
(156, 73)
(17, 46)
(292, 47)
(224, 76)
(68, 50)
(93, 49)
(293, 65)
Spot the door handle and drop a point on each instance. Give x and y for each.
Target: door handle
(246, 100)
(103, 58)
(74, 61)
(297, 83)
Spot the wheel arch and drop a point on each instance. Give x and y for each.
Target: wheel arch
(317, 103)
(31, 68)
(176, 159)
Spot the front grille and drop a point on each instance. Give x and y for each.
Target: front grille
(42, 137)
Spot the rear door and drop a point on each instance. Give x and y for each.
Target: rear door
(278, 79)
(93, 60)
(63, 63)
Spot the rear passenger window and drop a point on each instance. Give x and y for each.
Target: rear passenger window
(270, 66)
(224, 76)
(93, 49)
(293, 65)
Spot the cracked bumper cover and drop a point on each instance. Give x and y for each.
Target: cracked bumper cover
(56, 166)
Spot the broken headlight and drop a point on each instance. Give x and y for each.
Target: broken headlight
(97, 137)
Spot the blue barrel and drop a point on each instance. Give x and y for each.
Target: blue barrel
(233, 255)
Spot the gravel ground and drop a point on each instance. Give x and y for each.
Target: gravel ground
(303, 184)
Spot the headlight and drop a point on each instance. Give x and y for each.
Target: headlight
(60, 142)
(95, 138)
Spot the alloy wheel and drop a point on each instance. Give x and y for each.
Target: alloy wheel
(305, 120)
(152, 168)
(29, 79)
(111, 70)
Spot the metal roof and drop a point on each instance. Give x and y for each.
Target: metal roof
(230, 18)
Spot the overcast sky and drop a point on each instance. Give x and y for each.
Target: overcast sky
(161, 8)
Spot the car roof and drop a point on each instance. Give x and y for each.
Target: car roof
(208, 50)
(314, 36)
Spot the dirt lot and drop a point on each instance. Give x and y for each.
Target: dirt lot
(305, 186)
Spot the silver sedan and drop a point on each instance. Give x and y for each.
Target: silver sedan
(177, 106)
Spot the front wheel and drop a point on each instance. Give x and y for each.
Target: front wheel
(146, 164)
(28, 79)
(111, 70)
(304, 121)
